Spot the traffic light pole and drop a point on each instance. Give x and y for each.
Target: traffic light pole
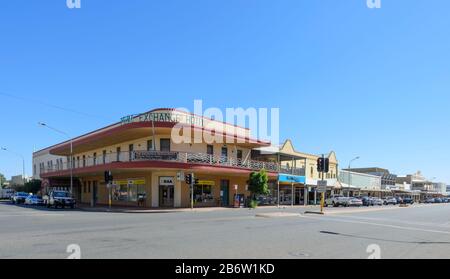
(322, 195)
(192, 192)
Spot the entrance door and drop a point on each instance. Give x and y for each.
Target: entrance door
(225, 192)
(166, 196)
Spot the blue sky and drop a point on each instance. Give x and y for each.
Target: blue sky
(381, 77)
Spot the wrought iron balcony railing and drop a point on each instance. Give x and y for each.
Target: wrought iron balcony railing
(170, 156)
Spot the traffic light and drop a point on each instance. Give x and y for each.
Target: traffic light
(326, 165)
(188, 179)
(323, 165)
(108, 177)
(196, 181)
(320, 164)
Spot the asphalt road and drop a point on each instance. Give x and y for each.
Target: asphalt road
(421, 231)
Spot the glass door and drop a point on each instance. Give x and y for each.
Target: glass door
(166, 196)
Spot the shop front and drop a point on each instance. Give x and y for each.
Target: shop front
(292, 190)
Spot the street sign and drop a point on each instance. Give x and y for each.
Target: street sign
(322, 186)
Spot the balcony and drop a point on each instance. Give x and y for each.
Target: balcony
(176, 157)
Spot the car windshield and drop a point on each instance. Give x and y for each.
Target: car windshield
(61, 194)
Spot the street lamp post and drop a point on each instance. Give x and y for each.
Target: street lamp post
(71, 151)
(18, 155)
(349, 174)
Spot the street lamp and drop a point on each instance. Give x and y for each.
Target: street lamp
(349, 173)
(71, 151)
(18, 155)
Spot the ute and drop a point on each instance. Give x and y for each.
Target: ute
(59, 199)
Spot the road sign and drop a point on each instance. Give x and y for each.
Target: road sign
(322, 186)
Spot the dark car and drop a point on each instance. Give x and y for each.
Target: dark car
(408, 201)
(366, 201)
(437, 200)
(19, 197)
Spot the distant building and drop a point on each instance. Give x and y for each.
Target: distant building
(18, 180)
(417, 181)
(388, 180)
(440, 187)
(355, 183)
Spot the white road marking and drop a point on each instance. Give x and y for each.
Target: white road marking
(378, 225)
(32, 215)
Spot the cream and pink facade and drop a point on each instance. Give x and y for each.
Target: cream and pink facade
(148, 162)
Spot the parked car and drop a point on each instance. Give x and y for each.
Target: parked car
(6, 194)
(437, 200)
(354, 202)
(19, 197)
(376, 201)
(34, 200)
(408, 201)
(59, 199)
(336, 200)
(390, 201)
(445, 200)
(365, 201)
(429, 200)
(399, 200)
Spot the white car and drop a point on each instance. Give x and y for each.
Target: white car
(354, 202)
(337, 200)
(34, 200)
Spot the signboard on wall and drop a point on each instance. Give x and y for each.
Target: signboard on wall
(166, 181)
(206, 183)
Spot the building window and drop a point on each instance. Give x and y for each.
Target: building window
(118, 150)
(34, 169)
(130, 152)
(104, 157)
(84, 187)
(312, 172)
(239, 155)
(224, 154)
(210, 149)
(78, 161)
(150, 145)
(165, 145)
(84, 161)
(95, 158)
(89, 186)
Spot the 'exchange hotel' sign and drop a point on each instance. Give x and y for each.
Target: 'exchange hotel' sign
(164, 116)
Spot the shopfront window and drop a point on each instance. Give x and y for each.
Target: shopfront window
(203, 195)
(128, 191)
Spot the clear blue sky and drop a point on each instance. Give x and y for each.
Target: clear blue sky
(380, 76)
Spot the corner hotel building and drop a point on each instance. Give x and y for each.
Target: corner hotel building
(147, 163)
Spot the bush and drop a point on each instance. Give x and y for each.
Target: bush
(253, 204)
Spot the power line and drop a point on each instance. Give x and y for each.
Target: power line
(34, 101)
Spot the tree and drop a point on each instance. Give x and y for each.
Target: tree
(258, 183)
(32, 186)
(2, 180)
